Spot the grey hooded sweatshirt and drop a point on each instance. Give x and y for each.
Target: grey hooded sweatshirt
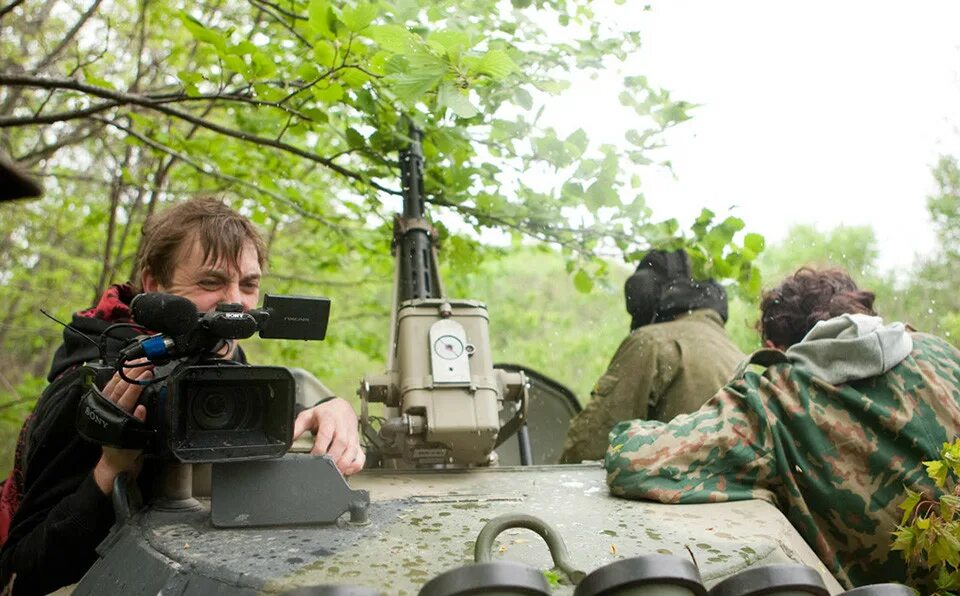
(851, 347)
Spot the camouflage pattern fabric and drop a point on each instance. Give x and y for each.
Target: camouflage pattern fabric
(659, 371)
(835, 459)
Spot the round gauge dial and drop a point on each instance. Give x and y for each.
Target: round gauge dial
(448, 347)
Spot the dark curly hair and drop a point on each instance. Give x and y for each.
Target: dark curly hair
(789, 311)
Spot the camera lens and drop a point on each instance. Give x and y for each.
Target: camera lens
(231, 407)
(213, 411)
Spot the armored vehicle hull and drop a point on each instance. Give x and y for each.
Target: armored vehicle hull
(421, 524)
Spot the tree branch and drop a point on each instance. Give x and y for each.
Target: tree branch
(21, 80)
(267, 9)
(57, 116)
(227, 177)
(79, 135)
(9, 7)
(68, 37)
(282, 10)
(182, 97)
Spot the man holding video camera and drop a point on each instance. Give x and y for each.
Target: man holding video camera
(55, 507)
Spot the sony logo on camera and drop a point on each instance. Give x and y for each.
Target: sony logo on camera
(89, 413)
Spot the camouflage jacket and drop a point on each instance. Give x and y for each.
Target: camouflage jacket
(659, 371)
(836, 459)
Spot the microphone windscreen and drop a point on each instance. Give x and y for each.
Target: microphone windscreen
(164, 313)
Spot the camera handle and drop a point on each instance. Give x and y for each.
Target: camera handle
(103, 422)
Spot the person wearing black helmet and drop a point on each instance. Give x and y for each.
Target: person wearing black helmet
(676, 356)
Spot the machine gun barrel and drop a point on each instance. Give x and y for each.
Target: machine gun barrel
(418, 276)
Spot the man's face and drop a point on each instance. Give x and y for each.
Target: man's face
(208, 284)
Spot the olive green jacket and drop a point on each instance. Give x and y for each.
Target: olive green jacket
(659, 371)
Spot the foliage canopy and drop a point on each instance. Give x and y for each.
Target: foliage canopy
(294, 111)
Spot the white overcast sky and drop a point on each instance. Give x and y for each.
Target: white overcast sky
(829, 113)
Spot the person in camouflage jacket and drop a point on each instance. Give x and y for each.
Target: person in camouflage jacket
(676, 356)
(832, 432)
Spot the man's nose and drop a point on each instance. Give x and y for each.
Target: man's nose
(232, 294)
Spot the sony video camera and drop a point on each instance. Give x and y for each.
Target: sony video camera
(201, 406)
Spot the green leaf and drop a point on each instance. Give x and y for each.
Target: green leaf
(359, 17)
(236, 64)
(319, 18)
(908, 505)
(316, 115)
(419, 74)
(453, 43)
(579, 140)
(355, 140)
(937, 470)
(242, 49)
(263, 66)
(582, 281)
(456, 100)
(269, 92)
(95, 80)
(754, 242)
(497, 64)
(187, 76)
(523, 98)
(204, 34)
(354, 78)
(904, 540)
(395, 38)
(330, 94)
(732, 224)
(324, 53)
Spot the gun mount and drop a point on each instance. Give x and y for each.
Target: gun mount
(442, 395)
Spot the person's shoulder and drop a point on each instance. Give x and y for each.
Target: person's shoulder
(927, 346)
(649, 336)
(60, 397)
(694, 324)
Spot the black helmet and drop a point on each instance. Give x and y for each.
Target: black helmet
(642, 289)
(683, 295)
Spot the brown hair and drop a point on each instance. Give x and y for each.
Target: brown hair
(789, 311)
(222, 233)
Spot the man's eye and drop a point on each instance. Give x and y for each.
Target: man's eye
(209, 284)
(251, 286)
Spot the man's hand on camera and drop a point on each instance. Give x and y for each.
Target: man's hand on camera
(334, 424)
(113, 461)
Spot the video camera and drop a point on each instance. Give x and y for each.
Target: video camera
(201, 406)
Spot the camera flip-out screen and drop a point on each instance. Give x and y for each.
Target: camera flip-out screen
(295, 317)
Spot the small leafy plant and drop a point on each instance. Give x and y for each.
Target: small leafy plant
(929, 532)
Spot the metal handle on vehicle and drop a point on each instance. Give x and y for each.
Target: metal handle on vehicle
(558, 550)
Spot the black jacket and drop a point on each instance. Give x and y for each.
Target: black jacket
(62, 515)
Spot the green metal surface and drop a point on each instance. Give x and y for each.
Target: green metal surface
(423, 523)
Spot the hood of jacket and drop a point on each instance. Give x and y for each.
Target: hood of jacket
(851, 347)
(81, 338)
